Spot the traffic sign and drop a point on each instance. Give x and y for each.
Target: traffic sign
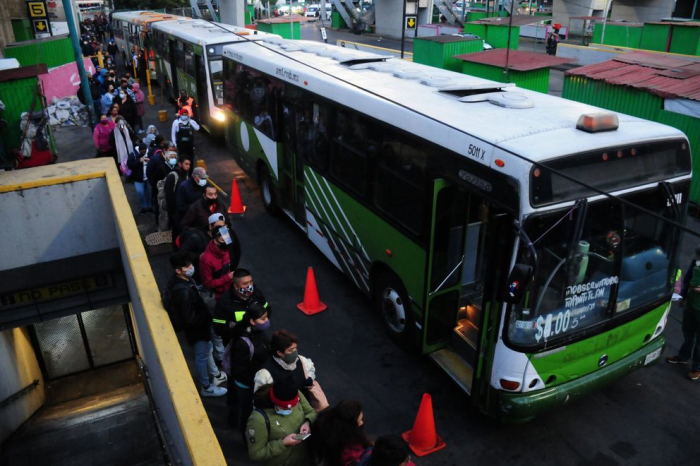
(37, 9)
(411, 22)
(41, 26)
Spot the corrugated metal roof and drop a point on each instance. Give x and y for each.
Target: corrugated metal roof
(517, 60)
(667, 77)
(517, 20)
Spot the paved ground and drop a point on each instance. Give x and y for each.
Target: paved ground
(647, 418)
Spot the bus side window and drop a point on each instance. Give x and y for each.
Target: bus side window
(180, 55)
(189, 61)
(321, 143)
(399, 182)
(352, 148)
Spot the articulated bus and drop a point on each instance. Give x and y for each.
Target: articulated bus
(189, 57)
(132, 33)
(526, 243)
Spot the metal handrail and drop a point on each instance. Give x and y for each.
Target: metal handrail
(19, 394)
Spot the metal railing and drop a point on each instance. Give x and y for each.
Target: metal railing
(19, 394)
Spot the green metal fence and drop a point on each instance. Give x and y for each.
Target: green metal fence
(54, 51)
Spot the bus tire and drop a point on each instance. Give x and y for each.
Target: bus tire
(394, 308)
(267, 191)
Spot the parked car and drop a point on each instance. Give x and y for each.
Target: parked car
(312, 11)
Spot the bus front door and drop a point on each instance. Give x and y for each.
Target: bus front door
(202, 97)
(292, 173)
(467, 231)
(173, 69)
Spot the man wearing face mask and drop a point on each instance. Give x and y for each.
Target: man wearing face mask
(286, 363)
(250, 348)
(190, 191)
(187, 305)
(231, 306)
(216, 264)
(180, 172)
(690, 292)
(183, 133)
(197, 215)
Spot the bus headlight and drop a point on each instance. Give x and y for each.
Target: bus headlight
(219, 116)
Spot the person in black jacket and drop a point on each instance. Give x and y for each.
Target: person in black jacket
(198, 213)
(250, 348)
(173, 181)
(137, 162)
(188, 306)
(231, 307)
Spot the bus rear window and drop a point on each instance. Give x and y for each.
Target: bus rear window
(607, 170)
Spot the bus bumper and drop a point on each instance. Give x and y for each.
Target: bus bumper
(522, 407)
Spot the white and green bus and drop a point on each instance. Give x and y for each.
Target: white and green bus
(525, 242)
(189, 56)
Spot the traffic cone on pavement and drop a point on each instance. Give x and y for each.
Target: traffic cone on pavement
(312, 304)
(423, 439)
(237, 206)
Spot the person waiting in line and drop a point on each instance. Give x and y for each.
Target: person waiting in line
(194, 316)
(151, 133)
(107, 97)
(190, 192)
(286, 362)
(216, 262)
(157, 170)
(113, 112)
(195, 241)
(179, 174)
(289, 416)
(122, 139)
(127, 107)
(231, 307)
(182, 133)
(340, 439)
(199, 211)
(250, 348)
(137, 162)
(112, 48)
(101, 136)
(140, 107)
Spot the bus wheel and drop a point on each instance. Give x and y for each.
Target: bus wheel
(267, 192)
(391, 300)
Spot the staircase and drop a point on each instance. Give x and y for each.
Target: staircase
(349, 13)
(199, 5)
(445, 9)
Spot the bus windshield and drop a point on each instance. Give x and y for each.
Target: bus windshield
(596, 262)
(216, 70)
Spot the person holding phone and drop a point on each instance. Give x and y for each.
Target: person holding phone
(278, 428)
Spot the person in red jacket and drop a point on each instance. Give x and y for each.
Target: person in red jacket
(100, 136)
(215, 262)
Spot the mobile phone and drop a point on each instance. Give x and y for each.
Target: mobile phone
(301, 436)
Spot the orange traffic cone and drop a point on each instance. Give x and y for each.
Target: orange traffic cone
(423, 439)
(312, 304)
(237, 206)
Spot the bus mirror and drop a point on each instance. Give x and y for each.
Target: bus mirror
(518, 280)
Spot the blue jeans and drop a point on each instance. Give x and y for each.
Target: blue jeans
(204, 363)
(691, 338)
(218, 344)
(143, 189)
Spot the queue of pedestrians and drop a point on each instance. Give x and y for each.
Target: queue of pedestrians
(274, 400)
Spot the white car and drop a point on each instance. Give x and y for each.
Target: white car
(312, 11)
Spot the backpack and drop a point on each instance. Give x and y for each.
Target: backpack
(167, 297)
(226, 363)
(163, 220)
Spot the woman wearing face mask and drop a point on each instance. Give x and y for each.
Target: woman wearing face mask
(122, 140)
(127, 107)
(286, 441)
(250, 348)
(286, 362)
(101, 137)
(107, 98)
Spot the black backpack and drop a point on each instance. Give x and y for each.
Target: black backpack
(167, 298)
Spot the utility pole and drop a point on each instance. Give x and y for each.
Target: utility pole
(73, 31)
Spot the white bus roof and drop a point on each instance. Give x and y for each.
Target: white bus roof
(131, 15)
(546, 130)
(206, 32)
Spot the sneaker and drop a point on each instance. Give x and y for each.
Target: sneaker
(213, 390)
(694, 375)
(675, 360)
(221, 378)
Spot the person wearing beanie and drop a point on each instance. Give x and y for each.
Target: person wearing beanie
(250, 348)
(290, 417)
